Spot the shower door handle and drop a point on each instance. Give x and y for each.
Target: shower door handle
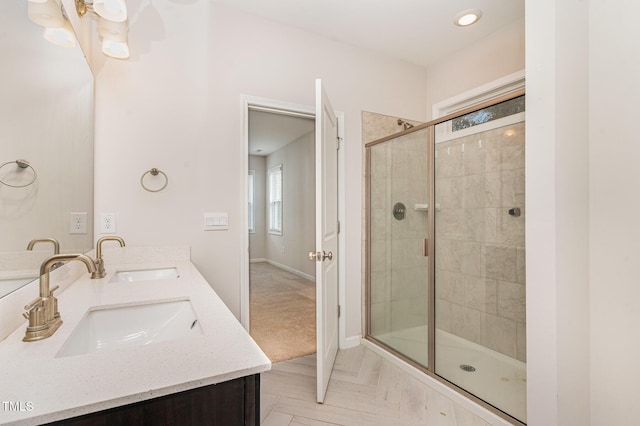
(425, 247)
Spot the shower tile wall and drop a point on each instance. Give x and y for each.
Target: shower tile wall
(377, 126)
(398, 268)
(480, 255)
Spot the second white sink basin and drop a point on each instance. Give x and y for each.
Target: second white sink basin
(111, 328)
(144, 275)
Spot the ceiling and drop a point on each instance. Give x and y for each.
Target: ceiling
(268, 132)
(418, 31)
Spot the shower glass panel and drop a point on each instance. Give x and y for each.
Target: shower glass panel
(398, 227)
(480, 256)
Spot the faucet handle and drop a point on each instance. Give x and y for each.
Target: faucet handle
(33, 304)
(35, 316)
(34, 310)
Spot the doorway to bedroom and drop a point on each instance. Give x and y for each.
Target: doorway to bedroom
(281, 210)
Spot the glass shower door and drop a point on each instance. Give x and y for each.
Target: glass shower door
(398, 227)
(479, 255)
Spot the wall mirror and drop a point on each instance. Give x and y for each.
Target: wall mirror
(46, 118)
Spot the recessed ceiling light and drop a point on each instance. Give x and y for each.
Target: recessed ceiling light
(467, 17)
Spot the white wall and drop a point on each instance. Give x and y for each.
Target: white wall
(582, 233)
(257, 239)
(557, 214)
(175, 105)
(488, 59)
(298, 206)
(614, 229)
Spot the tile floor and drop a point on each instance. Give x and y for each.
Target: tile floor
(364, 389)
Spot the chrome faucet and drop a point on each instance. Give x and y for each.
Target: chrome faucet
(100, 272)
(56, 244)
(42, 312)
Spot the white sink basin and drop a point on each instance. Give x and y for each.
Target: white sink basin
(111, 328)
(144, 275)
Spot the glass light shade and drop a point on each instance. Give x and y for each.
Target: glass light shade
(116, 31)
(61, 36)
(115, 49)
(113, 10)
(47, 13)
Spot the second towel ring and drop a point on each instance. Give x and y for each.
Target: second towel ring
(23, 164)
(154, 172)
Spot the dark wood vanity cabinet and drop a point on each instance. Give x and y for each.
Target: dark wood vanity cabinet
(236, 402)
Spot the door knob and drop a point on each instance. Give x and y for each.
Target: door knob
(320, 256)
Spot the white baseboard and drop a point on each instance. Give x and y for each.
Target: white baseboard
(350, 342)
(290, 269)
(257, 260)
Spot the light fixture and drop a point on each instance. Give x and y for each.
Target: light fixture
(51, 15)
(113, 10)
(114, 38)
(113, 27)
(61, 36)
(46, 13)
(467, 17)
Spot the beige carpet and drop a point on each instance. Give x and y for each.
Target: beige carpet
(282, 312)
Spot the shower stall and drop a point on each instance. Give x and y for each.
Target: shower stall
(445, 263)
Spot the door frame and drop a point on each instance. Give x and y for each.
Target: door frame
(253, 102)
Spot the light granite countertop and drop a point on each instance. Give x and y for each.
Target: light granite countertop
(42, 387)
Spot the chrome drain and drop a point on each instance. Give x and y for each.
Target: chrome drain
(467, 368)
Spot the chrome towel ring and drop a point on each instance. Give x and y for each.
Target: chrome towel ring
(154, 172)
(22, 164)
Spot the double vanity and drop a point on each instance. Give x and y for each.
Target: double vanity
(151, 340)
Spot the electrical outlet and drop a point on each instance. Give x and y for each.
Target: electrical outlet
(78, 222)
(107, 223)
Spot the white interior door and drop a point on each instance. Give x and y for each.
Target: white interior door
(326, 254)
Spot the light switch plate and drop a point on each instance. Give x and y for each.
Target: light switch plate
(216, 221)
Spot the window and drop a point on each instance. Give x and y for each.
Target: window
(494, 112)
(250, 195)
(492, 117)
(274, 180)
